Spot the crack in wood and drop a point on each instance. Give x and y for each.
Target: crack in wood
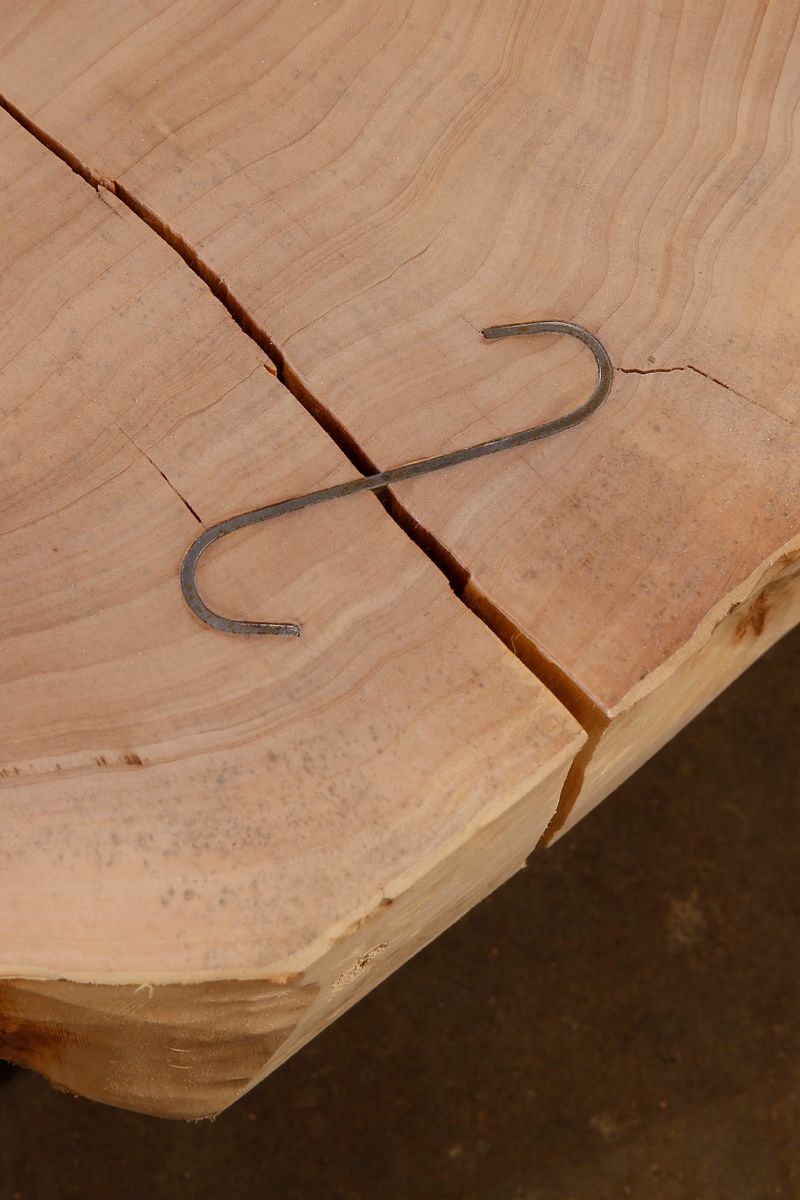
(685, 367)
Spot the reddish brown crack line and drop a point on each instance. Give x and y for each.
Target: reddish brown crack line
(166, 478)
(211, 278)
(672, 370)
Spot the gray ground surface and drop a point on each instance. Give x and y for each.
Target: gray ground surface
(622, 1019)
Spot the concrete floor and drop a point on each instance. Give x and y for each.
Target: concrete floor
(622, 1019)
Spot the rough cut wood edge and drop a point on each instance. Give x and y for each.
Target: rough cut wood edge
(758, 615)
(730, 639)
(190, 1050)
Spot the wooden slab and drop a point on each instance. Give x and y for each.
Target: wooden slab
(378, 183)
(209, 839)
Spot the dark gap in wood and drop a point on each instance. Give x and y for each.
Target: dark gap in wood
(573, 785)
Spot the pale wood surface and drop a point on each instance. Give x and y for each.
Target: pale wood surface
(177, 804)
(375, 183)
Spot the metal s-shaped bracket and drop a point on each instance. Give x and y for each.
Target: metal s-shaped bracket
(372, 483)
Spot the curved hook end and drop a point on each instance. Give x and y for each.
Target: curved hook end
(207, 615)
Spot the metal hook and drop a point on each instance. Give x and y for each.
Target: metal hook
(372, 483)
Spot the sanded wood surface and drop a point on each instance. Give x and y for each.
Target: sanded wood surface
(377, 182)
(367, 186)
(179, 805)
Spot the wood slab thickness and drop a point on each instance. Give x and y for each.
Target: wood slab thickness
(370, 185)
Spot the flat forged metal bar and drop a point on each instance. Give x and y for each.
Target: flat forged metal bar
(374, 483)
